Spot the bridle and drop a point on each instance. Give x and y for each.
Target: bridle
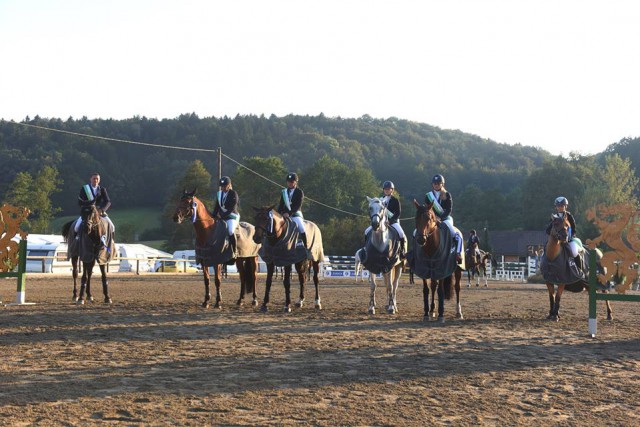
(378, 218)
(558, 228)
(421, 238)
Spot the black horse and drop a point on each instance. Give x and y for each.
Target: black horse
(93, 243)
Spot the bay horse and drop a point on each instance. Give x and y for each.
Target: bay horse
(271, 227)
(477, 269)
(381, 241)
(87, 248)
(427, 239)
(558, 237)
(204, 225)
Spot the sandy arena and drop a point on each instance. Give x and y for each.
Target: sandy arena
(155, 358)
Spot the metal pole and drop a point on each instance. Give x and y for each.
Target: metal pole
(593, 284)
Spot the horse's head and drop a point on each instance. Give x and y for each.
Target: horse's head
(185, 207)
(559, 227)
(265, 223)
(426, 222)
(92, 221)
(377, 213)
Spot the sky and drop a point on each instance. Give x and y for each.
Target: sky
(562, 75)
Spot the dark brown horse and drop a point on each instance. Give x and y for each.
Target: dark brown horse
(558, 236)
(428, 240)
(204, 225)
(87, 246)
(270, 228)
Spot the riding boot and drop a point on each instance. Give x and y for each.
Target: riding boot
(303, 237)
(233, 244)
(403, 252)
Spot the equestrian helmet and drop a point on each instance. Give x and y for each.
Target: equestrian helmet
(437, 179)
(473, 232)
(224, 181)
(561, 201)
(388, 184)
(292, 177)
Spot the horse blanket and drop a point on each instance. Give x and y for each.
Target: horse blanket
(382, 262)
(563, 269)
(443, 262)
(289, 249)
(101, 251)
(218, 250)
(73, 242)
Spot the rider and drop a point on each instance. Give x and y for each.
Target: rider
(393, 214)
(226, 208)
(93, 194)
(442, 207)
(290, 206)
(561, 204)
(471, 241)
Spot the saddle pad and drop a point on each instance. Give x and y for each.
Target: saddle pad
(289, 249)
(378, 262)
(217, 250)
(103, 251)
(563, 269)
(442, 263)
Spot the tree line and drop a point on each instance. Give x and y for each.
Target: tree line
(340, 161)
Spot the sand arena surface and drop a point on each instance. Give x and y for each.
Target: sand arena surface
(154, 357)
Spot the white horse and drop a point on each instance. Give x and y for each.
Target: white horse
(381, 241)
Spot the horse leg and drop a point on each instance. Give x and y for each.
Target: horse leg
(458, 276)
(609, 310)
(287, 289)
(425, 299)
(477, 273)
(74, 273)
(372, 293)
(267, 288)
(217, 270)
(207, 280)
(556, 306)
(316, 283)
(243, 281)
(395, 281)
(434, 288)
(89, 269)
(301, 269)
(441, 284)
(83, 286)
(252, 277)
(105, 284)
(552, 299)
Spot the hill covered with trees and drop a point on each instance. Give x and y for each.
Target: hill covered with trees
(147, 162)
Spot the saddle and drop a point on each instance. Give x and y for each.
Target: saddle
(378, 262)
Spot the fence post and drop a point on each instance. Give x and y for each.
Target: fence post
(21, 275)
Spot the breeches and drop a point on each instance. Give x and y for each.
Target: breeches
(232, 224)
(299, 222)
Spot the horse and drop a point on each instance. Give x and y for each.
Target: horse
(204, 225)
(477, 269)
(427, 240)
(381, 240)
(271, 228)
(90, 243)
(558, 237)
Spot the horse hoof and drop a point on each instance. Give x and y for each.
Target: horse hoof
(299, 303)
(254, 303)
(469, 285)
(80, 302)
(90, 299)
(263, 308)
(107, 300)
(75, 298)
(318, 306)
(218, 306)
(459, 316)
(441, 320)
(609, 317)
(477, 285)
(239, 303)
(372, 310)
(286, 309)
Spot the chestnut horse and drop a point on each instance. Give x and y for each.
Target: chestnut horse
(272, 226)
(477, 269)
(204, 225)
(427, 239)
(87, 248)
(558, 236)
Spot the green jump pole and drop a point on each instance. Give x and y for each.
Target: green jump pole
(22, 274)
(593, 285)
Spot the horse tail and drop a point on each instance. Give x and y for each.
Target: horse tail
(65, 230)
(447, 286)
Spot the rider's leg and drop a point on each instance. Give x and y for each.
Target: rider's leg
(77, 225)
(457, 238)
(398, 228)
(303, 236)
(232, 224)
